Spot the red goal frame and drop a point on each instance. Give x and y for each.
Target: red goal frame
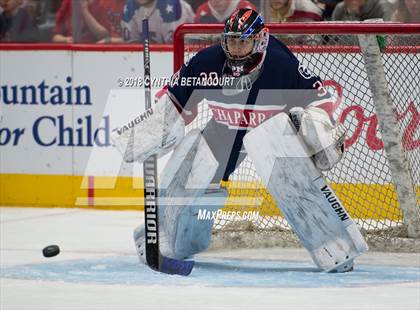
(300, 28)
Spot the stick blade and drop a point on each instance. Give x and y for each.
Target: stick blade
(175, 266)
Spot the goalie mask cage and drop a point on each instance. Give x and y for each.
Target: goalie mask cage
(365, 93)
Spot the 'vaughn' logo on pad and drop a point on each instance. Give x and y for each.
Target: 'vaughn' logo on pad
(137, 120)
(335, 204)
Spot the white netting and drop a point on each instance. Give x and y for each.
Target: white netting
(362, 180)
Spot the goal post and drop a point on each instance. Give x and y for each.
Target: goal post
(378, 179)
(403, 182)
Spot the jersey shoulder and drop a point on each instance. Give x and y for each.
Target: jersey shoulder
(283, 64)
(279, 54)
(209, 59)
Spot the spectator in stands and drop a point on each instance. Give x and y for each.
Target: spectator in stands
(358, 10)
(45, 11)
(98, 21)
(408, 11)
(103, 19)
(217, 11)
(3, 21)
(195, 4)
(16, 22)
(34, 8)
(327, 7)
(63, 32)
(164, 17)
(294, 11)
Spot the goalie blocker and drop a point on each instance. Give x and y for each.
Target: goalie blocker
(284, 162)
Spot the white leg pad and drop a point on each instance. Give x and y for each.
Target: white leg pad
(309, 205)
(193, 234)
(183, 182)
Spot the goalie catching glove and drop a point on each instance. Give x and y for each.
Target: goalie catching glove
(155, 132)
(324, 140)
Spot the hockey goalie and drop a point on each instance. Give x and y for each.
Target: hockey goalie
(264, 104)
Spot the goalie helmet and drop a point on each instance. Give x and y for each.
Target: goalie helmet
(244, 24)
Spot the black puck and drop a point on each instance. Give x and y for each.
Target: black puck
(51, 250)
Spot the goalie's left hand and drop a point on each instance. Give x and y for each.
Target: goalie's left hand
(327, 158)
(324, 140)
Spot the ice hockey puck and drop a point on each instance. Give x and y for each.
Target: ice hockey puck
(51, 250)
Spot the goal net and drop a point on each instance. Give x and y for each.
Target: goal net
(363, 179)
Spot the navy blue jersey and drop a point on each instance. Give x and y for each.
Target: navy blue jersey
(282, 83)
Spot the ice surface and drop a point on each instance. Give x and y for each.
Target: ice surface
(97, 269)
(210, 272)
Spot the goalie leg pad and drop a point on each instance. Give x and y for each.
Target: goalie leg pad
(194, 233)
(184, 180)
(309, 205)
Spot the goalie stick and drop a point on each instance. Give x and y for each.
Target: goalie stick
(154, 258)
